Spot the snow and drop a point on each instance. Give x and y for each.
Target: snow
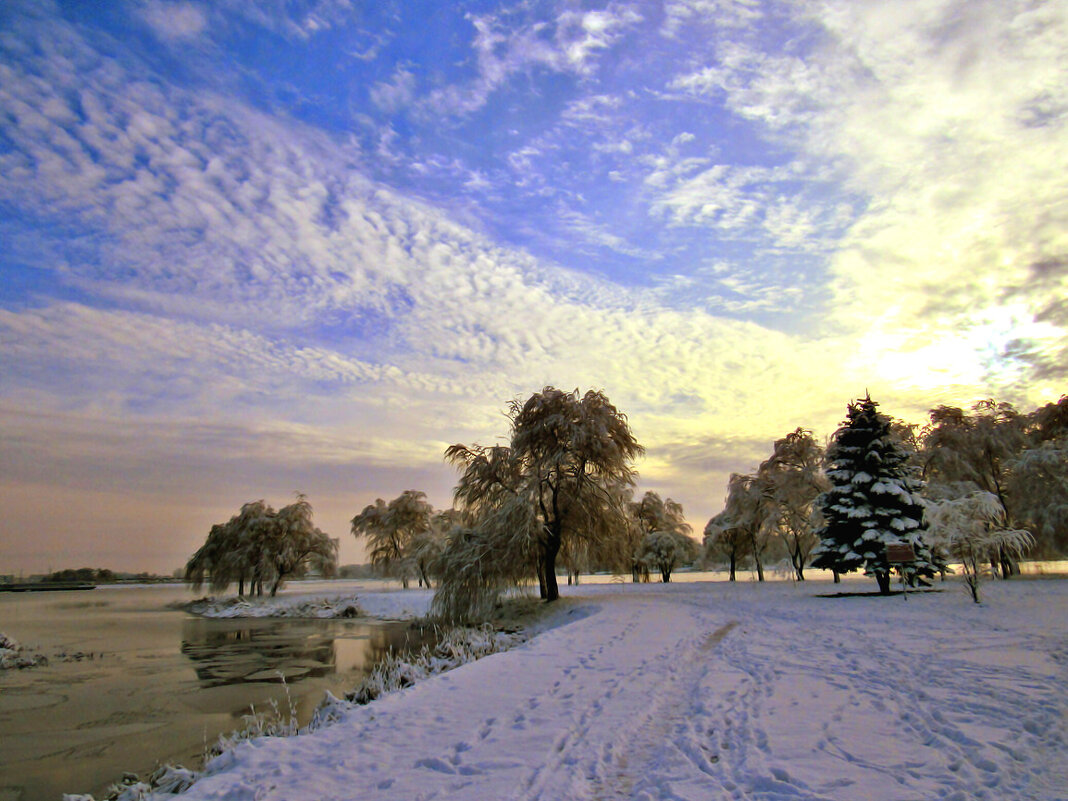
(14, 656)
(399, 605)
(711, 690)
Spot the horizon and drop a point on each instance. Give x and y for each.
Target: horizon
(305, 246)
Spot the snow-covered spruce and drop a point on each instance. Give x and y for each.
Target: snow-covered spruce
(873, 502)
(340, 606)
(14, 656)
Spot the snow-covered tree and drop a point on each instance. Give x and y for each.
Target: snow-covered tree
(1038, 479)
(665, 534)
(970, 529)
(976, 449)
(560, 479)
(665, 550)
(391, 529)
(749, 514)
(791, 479)
(291, 543)
(654, 516)
(259, 544)
(1038, 485)
(873, 501)
(725, 540)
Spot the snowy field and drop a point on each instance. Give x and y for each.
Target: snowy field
(713, 691)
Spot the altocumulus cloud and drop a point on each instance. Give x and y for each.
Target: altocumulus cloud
(220, 287)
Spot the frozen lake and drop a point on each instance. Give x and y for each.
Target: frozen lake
(131, 683)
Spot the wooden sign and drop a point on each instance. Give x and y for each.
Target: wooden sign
(895, 554)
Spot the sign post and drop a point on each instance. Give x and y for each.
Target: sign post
(900, 554)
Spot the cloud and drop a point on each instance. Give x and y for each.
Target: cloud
(237, 292)
(504, 46)
(939, 126)
(175, 21)
(680, 15)
(396, 93)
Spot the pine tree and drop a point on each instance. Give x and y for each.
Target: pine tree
(873, 501)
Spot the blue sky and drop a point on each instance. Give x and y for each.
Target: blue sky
(252, 248)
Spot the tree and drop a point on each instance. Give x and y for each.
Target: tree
(665, 550)
(391, 529)
(976, 451)
(972, 527)
(232, 552)
(665, 534)
(725, 539)
(654, 516)
(1038, 478)
(291, 543)
(259, 544)
(426, 547)
(1038, 485)
(557, 483)
(792, 479)
(747, 515)
(873, 501)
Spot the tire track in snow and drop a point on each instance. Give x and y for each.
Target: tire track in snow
(664, 734)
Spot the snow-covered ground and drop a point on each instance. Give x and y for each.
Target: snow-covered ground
(714, 691)
(300, 603)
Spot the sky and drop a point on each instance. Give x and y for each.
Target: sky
(250, 249)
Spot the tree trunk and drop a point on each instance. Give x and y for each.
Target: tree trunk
(756, 557)
(665, 575)
(1009, 566)
(799, 561)
(884, 582)
(734, 564)
(837, 576)
(552, 589)
(241, 587)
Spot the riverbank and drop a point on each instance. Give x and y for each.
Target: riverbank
(713, 690)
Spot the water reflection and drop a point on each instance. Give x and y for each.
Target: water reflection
(227, 652)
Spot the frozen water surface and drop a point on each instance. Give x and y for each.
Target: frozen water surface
(131, 683)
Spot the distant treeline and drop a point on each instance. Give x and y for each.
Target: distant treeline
(100, 575)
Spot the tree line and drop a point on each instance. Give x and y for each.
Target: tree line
(978, 486)
(561, 493)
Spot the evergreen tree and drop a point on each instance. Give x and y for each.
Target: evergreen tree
(873, 501)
